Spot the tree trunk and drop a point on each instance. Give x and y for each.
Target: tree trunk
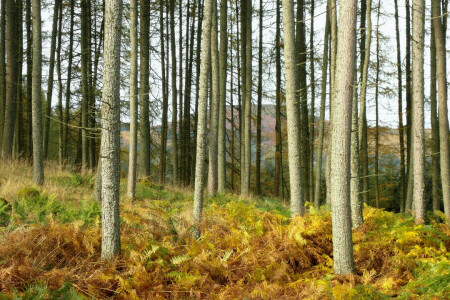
(409, 148)
(162, 157)
(110, 143)
(201, 126)
(174, 94)
(11, 80)
(313, 100)
(144, 125)
(19, 115)
(131, 189)
(38, 161)
(2, 68)
(340, 140)
(60, 90)
(443, 109)
(377, 133)
(278, 139)
(292, 109)
(401, 129)
(362, 122)
(333, 22)
(301, 87)
(435, 154)
(69, 80)
(418, 140)
(214, 108)
(258, 114)
(323, 96)
(51, 69)
(85, 49)
(222, 159)
(247, 100)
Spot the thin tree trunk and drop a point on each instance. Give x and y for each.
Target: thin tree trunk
(435, 154)
(409, 148)
(162, 158)
(201, 126)
(318, 172)
(377, 130)
(247, 100)
(292, 109)
(29, 75)
(418, 140)
(301, 87)
(187, 97)
(11, 80)
(401, 130)
(144, 125)
(51, 69)
(258, 114)
(197, 87)
(131, 188)
(214, 108)
(69, 80)
(19, 115)
(278, 139)
(222, 159)
(180, 92)
(85, 49)
(443, 109)
(174, 94)
(2, 68)
(110, 142)
(333, 21)
(60, 90)
(340, 139)
(362, 122)
(38, 160)
(313, 99)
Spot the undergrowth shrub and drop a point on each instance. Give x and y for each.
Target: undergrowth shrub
(248, 249)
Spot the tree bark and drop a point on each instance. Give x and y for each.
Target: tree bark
(144, 125)
(2, 68)
(162, 156)
(418, 140)
(134, 99)
(401, 129)
(443, 109)
(214, 108)
(340, 140)
(110, 143)
(222, 159)
(278, 139)
(11, 80)
(435, 154)
(38, 160)
(292, 109)
(201, 126)
(362, 122)
(302, 93)
(60, 90)
(174, 94)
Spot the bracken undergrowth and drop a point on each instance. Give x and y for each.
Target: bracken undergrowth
(250, 249)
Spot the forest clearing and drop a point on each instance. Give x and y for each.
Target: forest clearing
(50, 247)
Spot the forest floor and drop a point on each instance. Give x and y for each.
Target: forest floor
(50, 247)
